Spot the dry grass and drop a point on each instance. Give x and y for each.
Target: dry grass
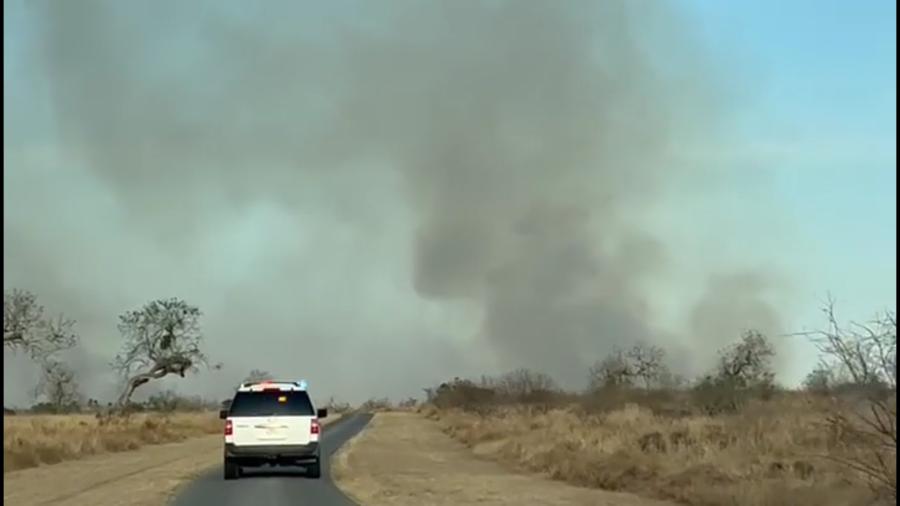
(33, 440)
(401, 459)
(770, 453)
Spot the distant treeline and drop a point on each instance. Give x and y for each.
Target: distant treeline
(167, 401)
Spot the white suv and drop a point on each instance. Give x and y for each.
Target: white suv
(274, 423)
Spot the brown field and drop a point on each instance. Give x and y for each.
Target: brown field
(769, 453)
(33, 440)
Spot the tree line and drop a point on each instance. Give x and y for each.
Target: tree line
(856, 358)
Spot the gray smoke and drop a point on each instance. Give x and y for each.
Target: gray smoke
(391, 190)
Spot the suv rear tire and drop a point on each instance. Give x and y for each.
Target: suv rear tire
(314, 470)
(232, 470)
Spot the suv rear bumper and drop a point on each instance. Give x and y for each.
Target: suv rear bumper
(272, 452)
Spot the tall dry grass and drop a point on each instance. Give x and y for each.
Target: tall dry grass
(770, 453)
(33, 440)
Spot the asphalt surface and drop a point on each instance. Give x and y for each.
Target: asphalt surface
(278, 485)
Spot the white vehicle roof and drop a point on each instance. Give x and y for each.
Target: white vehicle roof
(284, 386)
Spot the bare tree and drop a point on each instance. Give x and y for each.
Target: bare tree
(613, 371)
(747, 363)
(744, 371)
(161, 338)
(26, 328)
(257, 375)
(646, 362)
(866, 354)
(58, 386)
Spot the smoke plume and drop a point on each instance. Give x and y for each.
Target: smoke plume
(394, 190)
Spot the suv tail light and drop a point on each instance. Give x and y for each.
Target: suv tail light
(228, 427)
(314, 427)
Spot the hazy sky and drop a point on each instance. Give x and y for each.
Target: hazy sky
(377, 196)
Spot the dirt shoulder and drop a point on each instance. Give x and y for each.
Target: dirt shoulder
(146, 476)
(404, 459)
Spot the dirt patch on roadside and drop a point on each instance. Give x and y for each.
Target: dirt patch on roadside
(428, 467)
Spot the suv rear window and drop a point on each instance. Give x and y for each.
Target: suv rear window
(267, 403)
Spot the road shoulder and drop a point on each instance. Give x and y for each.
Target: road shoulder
(140, 477)
(403, 459)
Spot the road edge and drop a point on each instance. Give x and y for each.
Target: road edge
(340, 456)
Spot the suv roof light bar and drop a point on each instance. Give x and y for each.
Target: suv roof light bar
(303, 384)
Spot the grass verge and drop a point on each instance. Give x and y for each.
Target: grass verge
(33, 440)
(769, 453)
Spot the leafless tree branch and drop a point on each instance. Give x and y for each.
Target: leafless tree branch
(864, 355)
(26, 328)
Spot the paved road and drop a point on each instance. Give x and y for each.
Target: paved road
(277, 486)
